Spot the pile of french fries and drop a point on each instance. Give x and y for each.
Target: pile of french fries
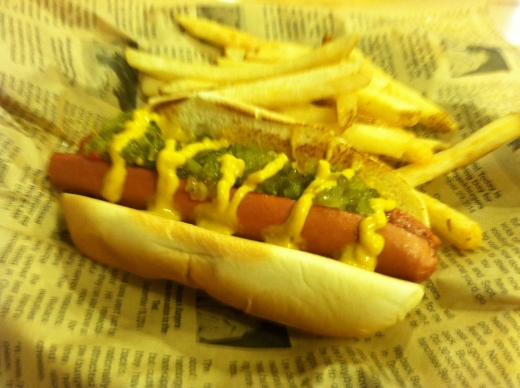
(336, 86)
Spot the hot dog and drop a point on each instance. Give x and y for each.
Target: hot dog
(326, 230)
(408, 251)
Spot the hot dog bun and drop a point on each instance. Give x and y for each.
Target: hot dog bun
(295, 288)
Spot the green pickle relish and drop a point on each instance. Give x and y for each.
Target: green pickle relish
(202, 172)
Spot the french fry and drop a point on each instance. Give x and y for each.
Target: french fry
(224, 36)
(310, 113)
(217, 34)
(302, 87)
(387, 141)
(346, 108)
(169, 69)
(389, 108)
(451, 225)
(466, 151)
(376, 140)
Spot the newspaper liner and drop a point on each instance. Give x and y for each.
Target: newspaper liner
(65, 320)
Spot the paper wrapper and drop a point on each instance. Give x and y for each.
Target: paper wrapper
(66, 320)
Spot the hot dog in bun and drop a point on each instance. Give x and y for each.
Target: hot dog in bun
(215, 175)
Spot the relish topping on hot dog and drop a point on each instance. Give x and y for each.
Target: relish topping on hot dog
(221, 214)
(168, 161)
(213, 167)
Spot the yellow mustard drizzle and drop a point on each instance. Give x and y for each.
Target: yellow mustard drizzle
(214, 215)
(221, 214)
(364, 254)
(288, 234)
(168, 160)
(114, 180)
